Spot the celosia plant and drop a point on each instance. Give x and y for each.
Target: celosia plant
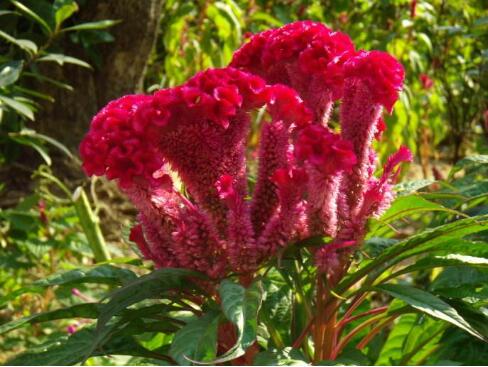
(313, 180)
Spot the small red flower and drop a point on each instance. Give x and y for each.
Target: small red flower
(426, 81)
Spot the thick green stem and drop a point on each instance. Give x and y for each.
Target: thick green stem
(91, 228)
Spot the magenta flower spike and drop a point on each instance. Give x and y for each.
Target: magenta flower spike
(372, 81)
(326, 156)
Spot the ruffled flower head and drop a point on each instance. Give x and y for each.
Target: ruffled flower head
(381, 72)
(199, 130)
(305, 55)
(325, 150)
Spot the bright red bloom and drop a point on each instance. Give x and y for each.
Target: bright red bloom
(381, 72)
(426, 81)
(305, 55)
(325, 150)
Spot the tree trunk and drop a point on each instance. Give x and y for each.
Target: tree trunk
(123, 63)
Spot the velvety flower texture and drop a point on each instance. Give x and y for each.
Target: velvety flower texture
(199, 130)
(311, 180)
(322, 66)
(305, 55)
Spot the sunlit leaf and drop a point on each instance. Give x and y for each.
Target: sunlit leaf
(429, 304)
(10, 72)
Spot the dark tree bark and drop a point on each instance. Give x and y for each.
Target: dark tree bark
(121, 72)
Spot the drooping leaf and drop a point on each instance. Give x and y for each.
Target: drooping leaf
(102, 24)
(149, 286)
(197, 341)
(413, 245)
(18, 106)
(33, 143)
(429, 304)
(102, 274)
(71, 350)
(443, 261)
(85, 310)
(26, 45)
(54, 142)
(155, 285)
(241, 306)
(24, 9)
(412, 204)
(62, 59)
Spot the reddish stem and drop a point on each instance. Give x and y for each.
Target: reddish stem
(374, 311)
(375, 331)
(298, 342)
(355, 304)
(351, 334)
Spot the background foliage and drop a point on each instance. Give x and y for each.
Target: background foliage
(441, 116)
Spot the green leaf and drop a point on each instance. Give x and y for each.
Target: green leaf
(241, 306)
(429, 304)
(7, 12)
(54, 82)
(197, 341)
(62, 59)
(392, 350)
(149, 286)
(102, 274)
(155, 285)
(285, 357)
(35, 135)
(63, 9)
(467, 162)
(277, 312)
(422, 337)
(18, 106)
(425, 40)
(374, 246)
(102, 24)
(33, 143)
(477, 318)
(10, 72)
(463, 277)
(24, 9)
(86, 310)
(441, 262)
(429, 238)
(412, 204)
(71, 350)
(409, 187)
(33, 93)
